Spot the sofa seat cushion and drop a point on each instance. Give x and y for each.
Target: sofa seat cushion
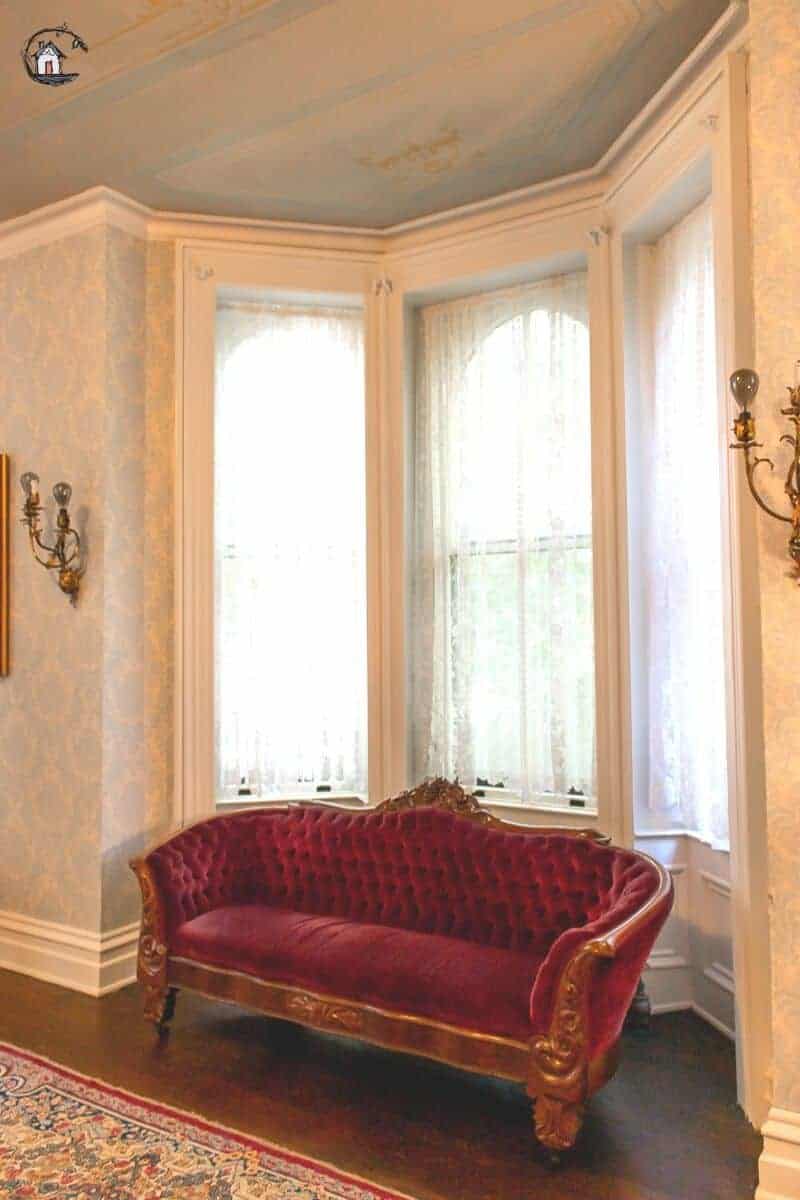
(461, 983)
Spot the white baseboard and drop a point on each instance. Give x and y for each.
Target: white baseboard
(93, 963)
(779, 1165)
(715, 1021)
(670, 1006)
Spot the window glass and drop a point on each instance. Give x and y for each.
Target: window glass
(681, 501)
(290, 542)
(502, 632)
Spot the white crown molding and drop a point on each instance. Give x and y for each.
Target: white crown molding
(559, 200)
(728, 28)
(728, 31)
(80, 959)
(219, 231)
(480, 211)
(104, 206)
(99, 206)
(779, 1165)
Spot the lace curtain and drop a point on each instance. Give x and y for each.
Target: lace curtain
(291, 665)
(682, 532)
(502, 672)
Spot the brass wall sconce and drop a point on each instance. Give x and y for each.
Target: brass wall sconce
(744, 385)
(64, 556)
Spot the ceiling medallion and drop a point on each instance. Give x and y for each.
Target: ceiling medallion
(43, 55)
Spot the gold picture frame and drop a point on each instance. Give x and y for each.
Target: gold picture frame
(4, 565)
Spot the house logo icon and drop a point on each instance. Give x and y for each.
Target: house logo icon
(45, 52)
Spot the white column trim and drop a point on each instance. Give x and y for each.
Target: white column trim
(779, 1164)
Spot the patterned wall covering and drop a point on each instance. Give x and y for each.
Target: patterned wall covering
(775, 102)
(86, 394)
(52, 391)
(159, 627)
(137, 673)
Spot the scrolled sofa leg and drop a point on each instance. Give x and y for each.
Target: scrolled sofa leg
(159, 1006)
(557, 1122)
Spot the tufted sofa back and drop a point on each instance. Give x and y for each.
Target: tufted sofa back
(426, 869)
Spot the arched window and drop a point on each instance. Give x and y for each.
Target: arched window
(502, 638)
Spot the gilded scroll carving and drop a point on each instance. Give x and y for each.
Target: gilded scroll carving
(152, 951)
(561, 1053)
(442, 793)
(324, 1012)
(438, 793)
(559, 1059)
(159, 999)
(557, 1122)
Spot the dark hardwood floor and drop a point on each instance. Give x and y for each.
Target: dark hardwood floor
(667, 1128)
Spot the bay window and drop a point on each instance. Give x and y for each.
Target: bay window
(393, 560)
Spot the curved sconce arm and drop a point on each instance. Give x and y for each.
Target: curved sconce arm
(65, 555)
(744, 386)
(750, 465)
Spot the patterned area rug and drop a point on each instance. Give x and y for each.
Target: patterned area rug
(68, 1137)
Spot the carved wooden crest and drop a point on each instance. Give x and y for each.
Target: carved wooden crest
(438, 793)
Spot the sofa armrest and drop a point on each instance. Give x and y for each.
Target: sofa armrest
(579, 1001)
(584, 987)
(197, 869)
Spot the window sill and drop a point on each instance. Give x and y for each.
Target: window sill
(544, 802)
(561, 810)
(346, 800)
(357, 802)
(679, 831)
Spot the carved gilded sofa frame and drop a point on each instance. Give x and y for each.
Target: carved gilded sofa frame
(557, 1068)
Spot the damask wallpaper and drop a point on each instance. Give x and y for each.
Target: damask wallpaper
(137, 672)
(52, 401)
(85, 735)
(775, 166)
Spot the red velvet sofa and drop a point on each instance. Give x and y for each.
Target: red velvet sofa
(424, 925)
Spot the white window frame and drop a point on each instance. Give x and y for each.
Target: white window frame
(710, 122)
(202, 268)
(500, 255)
(389, 285)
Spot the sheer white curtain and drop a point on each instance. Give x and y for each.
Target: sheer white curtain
(502, 674)
(290, 542)
(682, 532)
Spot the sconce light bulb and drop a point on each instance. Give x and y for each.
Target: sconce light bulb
(744, 385)
(29, 482)
(61, 494)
